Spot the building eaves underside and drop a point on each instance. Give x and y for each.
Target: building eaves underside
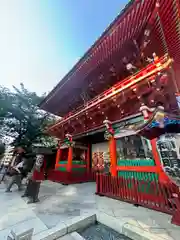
(93, 74)
(102, 55)
(122, 100)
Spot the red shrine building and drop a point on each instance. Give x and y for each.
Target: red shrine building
(131, 72)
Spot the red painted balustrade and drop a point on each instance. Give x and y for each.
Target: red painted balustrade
(71, 177)
(154, 195)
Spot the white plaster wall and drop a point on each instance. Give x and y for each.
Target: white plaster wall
(100, 147)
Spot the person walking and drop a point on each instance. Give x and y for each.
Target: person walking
(16, 170)
(34, 182)
(6, 168)
(16, 178)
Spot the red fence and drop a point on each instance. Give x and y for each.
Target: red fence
(153, 195)
(71, 177)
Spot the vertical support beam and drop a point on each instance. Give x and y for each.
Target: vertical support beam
(70, 152)
(113, 156)
(70, 158)
(146, 113)
(109, 135)
(155, 153)
(88, 159)
(58, 157)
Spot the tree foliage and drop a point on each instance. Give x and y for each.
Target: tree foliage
(21, 119)
(2, 149)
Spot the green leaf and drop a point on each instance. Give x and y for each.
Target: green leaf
(21, 118)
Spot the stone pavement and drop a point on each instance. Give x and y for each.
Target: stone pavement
(59, 204)
(144, 219)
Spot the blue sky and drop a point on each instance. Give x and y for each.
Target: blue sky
(42, 39)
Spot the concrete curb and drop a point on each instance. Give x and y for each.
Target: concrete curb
(130, 228)
(126, 226)
(137, 233)
(66, 228)
(77, 236)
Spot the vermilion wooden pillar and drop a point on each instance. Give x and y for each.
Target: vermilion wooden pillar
(113, 156)
(155, 153)
(58, 157)
(70, 158)
(109, 135)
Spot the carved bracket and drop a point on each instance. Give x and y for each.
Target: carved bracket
(147, 112)
(68, 140)
(109, 129)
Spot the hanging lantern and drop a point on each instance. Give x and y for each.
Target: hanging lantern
(163, 79)
(130, 68)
